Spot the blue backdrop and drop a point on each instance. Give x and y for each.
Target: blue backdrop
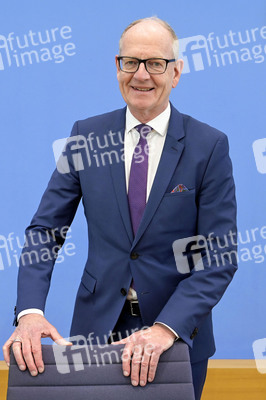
(57, 66)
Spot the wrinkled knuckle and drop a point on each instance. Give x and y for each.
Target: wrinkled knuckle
(153, 365)
(34, 350)
(144, 364)
(26, 352)
(136, 361)
(50, 328)
(137, 357)
(144, 343)
(139, 350)
(149, 348)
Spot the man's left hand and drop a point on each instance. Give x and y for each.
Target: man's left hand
(142, 352)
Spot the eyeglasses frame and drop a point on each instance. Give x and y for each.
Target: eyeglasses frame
(144, 62)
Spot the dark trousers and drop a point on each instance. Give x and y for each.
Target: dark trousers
(127, 324)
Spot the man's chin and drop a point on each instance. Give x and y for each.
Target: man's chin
(141, 104)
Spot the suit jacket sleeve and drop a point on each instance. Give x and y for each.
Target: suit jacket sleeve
(196, 295)
(46, 235)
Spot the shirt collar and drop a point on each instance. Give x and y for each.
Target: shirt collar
(159, 123)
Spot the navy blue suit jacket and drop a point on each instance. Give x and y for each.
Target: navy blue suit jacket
(195, 155)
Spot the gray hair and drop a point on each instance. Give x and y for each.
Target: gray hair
(159, 21)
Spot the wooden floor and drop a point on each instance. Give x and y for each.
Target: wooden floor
(226, 380)
(3, 380)
(234, 380)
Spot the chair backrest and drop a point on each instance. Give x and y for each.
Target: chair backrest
(95, 372)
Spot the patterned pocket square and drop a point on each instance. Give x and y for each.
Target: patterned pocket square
(180, 188)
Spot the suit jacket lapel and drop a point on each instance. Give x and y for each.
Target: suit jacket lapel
(170, 157)
(118, 176)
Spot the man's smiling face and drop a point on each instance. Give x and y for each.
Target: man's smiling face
(148, 95)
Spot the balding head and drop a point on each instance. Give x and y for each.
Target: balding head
(153, 24)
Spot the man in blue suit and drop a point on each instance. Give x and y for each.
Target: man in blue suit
(159, 201)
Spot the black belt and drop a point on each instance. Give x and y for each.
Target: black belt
(132, 307)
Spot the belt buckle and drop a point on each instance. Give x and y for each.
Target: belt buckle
(131, 302)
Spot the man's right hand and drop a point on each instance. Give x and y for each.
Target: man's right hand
(26, 342)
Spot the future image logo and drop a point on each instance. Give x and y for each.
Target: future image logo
(36, 47)
(15, 250)
(82, 152)
(202, 52)
(79, 153)
(190, 252)
(83, 354)
(75, 355)
(195, 53)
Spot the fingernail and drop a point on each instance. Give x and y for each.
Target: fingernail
(150, 379)
(8, 364)
(142, 383)
(34, 373)
(41, 369)
(22, 367)
(134, 383)
(125, 373)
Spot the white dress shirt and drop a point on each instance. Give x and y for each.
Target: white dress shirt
(155, 140)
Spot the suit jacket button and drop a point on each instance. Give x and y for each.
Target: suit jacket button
(194, 333)
(123, 291)
(134, 255)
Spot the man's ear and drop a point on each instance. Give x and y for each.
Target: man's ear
(117, 65)
(179, 65)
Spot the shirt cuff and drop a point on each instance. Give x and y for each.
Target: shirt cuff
(161, 323)
(29, 311)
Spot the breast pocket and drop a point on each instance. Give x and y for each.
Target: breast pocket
(177, 213)
(185, 193)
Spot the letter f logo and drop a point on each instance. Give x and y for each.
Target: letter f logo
(195, 53)
(191, 253)
(3, 45)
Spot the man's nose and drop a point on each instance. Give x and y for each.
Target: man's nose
(142, 73)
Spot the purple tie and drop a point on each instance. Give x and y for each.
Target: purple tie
(137, 187)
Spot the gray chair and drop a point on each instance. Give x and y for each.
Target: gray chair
(94, 372)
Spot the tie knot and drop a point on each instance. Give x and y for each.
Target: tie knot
(143, 130)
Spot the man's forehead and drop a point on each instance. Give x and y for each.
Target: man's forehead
(147, 33)
(147, 28)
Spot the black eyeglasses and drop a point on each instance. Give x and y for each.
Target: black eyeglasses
(152, 65)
